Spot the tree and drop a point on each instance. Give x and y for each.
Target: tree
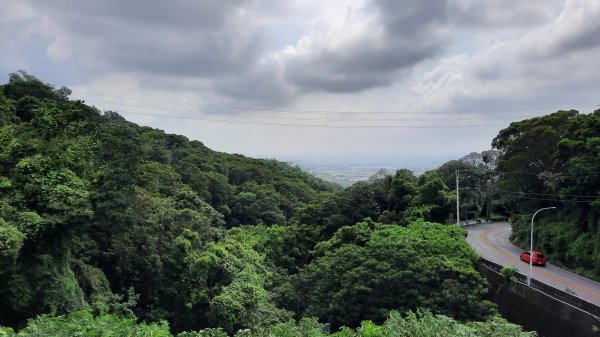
(21, 84)
(366, 270)
(551, 161)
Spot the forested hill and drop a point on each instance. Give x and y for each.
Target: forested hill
(104, 224)
(87, 196)
(86, 148)
(554, 160)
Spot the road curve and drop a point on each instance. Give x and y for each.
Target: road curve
(490, 241)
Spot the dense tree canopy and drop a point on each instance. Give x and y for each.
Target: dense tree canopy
(368, 269)
(99, 213)
(414, 324)
(554, 160)
(104, 223)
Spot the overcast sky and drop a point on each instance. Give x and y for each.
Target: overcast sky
(315, 79)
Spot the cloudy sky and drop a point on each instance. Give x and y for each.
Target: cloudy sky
(315, 79)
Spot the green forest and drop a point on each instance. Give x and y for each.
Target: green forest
(559, 157)
(108, 228)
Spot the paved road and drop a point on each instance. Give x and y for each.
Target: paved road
(490, 241)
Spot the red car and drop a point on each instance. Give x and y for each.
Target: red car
(538, 258)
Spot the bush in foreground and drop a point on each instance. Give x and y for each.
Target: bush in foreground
(414, 324)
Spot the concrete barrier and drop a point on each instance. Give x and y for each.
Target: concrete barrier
(550, 311)
(558, 294)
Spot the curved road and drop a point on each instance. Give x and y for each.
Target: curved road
(490, 241)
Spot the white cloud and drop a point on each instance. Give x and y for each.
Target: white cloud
(205, 58)
(369, 47)
(557, 56)
(501, 13)
(201, 39)
(14, 11)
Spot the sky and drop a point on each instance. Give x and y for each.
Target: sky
(312, 79)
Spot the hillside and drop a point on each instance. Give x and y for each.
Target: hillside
(104, 222)
(553, 160)
(97, 204)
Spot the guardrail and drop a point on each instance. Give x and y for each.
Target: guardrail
(558, 294)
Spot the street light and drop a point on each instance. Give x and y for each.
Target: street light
(531, 246)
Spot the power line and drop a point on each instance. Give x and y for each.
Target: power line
(331, 126)
(497, 193)
(328, 111)
(557, 200)
(280, 116)
(530, 173)
(557, 195)
(533, 193)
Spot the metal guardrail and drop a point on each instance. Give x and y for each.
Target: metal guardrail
(558, 294)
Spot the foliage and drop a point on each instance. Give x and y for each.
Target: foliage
(98, 213)
(415, 324)
(509, 273)
(366, 270)
(82, 323)
(401, 198)
(477, 186)
(104, 223)
(553, 160)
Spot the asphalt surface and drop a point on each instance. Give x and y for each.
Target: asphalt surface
(490, 241)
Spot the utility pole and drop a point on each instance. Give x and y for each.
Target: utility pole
(457, 201)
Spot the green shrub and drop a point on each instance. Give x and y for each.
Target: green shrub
(421, 323)
(509, 273)
(83, 323)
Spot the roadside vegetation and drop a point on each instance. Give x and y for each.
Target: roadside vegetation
(413, 324)
(554, 160)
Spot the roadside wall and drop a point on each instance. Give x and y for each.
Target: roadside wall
(550, 311)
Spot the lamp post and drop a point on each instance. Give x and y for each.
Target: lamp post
(531, 245)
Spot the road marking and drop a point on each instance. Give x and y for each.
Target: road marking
(555, 266)
(555, 278)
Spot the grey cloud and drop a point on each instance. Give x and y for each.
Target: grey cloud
(367, 66)
(409, 17)
(187, 38)
(262, 85)
(575, 38)
(411, 31)
(554, 63)
(192, 54)
(500, 13)
(561, 50)
(181, 14)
